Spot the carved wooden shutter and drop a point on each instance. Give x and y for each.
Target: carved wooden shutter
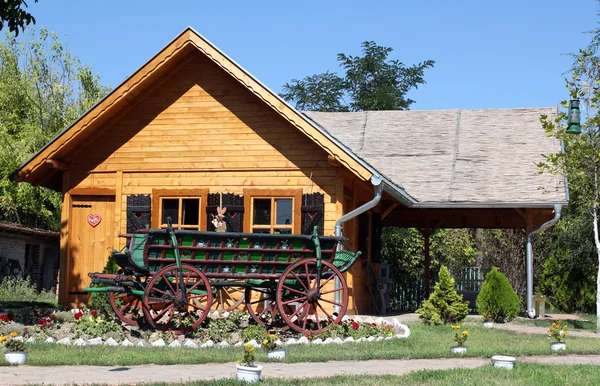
(313, 208)
(234, 217)
(138, 212)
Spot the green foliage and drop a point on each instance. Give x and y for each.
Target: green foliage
(22, 290)
(14, 345)
(43, 89)
(248, 357)
(256, 332)
(93, 324)
(498, 298)
(371, 82)
(101, 301)
(12, 13)
(460, 337)
(444, 305)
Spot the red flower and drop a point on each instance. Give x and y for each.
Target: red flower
(25, 329)
(94, 313)
(355, 325)
(52, 316)
(78, 315)
(4, 318)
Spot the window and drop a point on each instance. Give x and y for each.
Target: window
(273, 211)
(184, 207)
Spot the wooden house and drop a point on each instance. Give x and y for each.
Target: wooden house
(191, 127)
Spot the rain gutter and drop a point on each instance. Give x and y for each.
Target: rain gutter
(529, 257)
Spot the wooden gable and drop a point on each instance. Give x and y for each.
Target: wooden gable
(187, 53)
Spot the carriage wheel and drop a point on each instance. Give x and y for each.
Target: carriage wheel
(227, 298)
(261, 304)
(305, 306)
(126, 306)
(167, 308)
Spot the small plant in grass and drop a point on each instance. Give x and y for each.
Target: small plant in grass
(21, 289)
(558, 332)
(487, 317)
(248, 358)
(460, 337)
(444, 305)
(11, 343)
(497, 298)
(269, 342)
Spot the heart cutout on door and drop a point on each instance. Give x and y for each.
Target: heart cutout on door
(94, 219)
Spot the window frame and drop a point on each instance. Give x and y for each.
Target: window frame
(294, 194)
(159, 194)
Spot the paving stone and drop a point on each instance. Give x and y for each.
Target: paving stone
(190, 343)
(111, 342)
(126, 343)
(80, 342)
(94, 341)
(159, 343)
(175, 344)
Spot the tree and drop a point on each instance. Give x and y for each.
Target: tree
(580, 162)
(14, 16)
(371, 82)
(497, 298)
(43, 88)
(444, 305)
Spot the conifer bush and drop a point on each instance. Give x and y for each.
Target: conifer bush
(444, 305)
(498, 298)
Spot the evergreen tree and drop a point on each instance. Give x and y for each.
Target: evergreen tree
(498, 298)
(444, 305)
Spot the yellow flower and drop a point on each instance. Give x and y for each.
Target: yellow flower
(238, 361)
(265, 341)
(465, 332)
(455, 327)
(13, 334)
(248, 345)
(3, 338)
(251, 349)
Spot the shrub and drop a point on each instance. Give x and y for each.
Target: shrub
(444, 305)
(256, 332)
(498, 298)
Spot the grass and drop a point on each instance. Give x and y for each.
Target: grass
(589, 324)
(424, 342)
(522, 374)
(18, 292)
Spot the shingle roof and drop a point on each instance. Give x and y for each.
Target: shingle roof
(454, 156)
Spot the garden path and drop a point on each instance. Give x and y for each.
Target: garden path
(69, 375)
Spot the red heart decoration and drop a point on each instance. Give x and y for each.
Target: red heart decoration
(138, 214)
(94, 219)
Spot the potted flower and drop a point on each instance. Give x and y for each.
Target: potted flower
(558, 332)
(488, 319)
(270, 345)
(15, 349)
(460, 338)
(247, 370)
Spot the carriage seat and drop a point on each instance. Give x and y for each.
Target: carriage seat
(130, 267)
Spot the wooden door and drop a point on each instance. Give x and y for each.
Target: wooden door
(91, 230)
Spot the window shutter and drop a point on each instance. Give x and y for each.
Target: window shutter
(234, 217)
(138, 212)
(313, 208)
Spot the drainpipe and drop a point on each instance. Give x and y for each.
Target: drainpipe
(548, 224)
(378, 186)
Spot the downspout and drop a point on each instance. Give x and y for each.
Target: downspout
(548, 224)
(378, 186)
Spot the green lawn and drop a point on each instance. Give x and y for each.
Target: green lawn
(589, 324)
(424, 342)
(522, 374)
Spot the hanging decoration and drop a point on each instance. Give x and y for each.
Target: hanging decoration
(94, 219)
(219, 220)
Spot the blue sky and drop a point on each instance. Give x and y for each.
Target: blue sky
(489, 54)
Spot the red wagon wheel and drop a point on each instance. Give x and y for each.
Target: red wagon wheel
(167, 308)
(127, 307)
(306, 306)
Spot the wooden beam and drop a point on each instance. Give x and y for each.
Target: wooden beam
(520, 211)
(334, 161)
(389, 210)
(92, 192)
(57, 164)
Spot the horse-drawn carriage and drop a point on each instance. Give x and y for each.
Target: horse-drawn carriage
(172, 277)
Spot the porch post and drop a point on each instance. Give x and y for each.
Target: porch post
(426, 233)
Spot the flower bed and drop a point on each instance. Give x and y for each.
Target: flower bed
(83, 326)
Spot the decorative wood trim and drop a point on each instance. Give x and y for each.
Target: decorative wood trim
(65, 253)
(57, 164)
(158, 193)
(93, 192)
(271, 193)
